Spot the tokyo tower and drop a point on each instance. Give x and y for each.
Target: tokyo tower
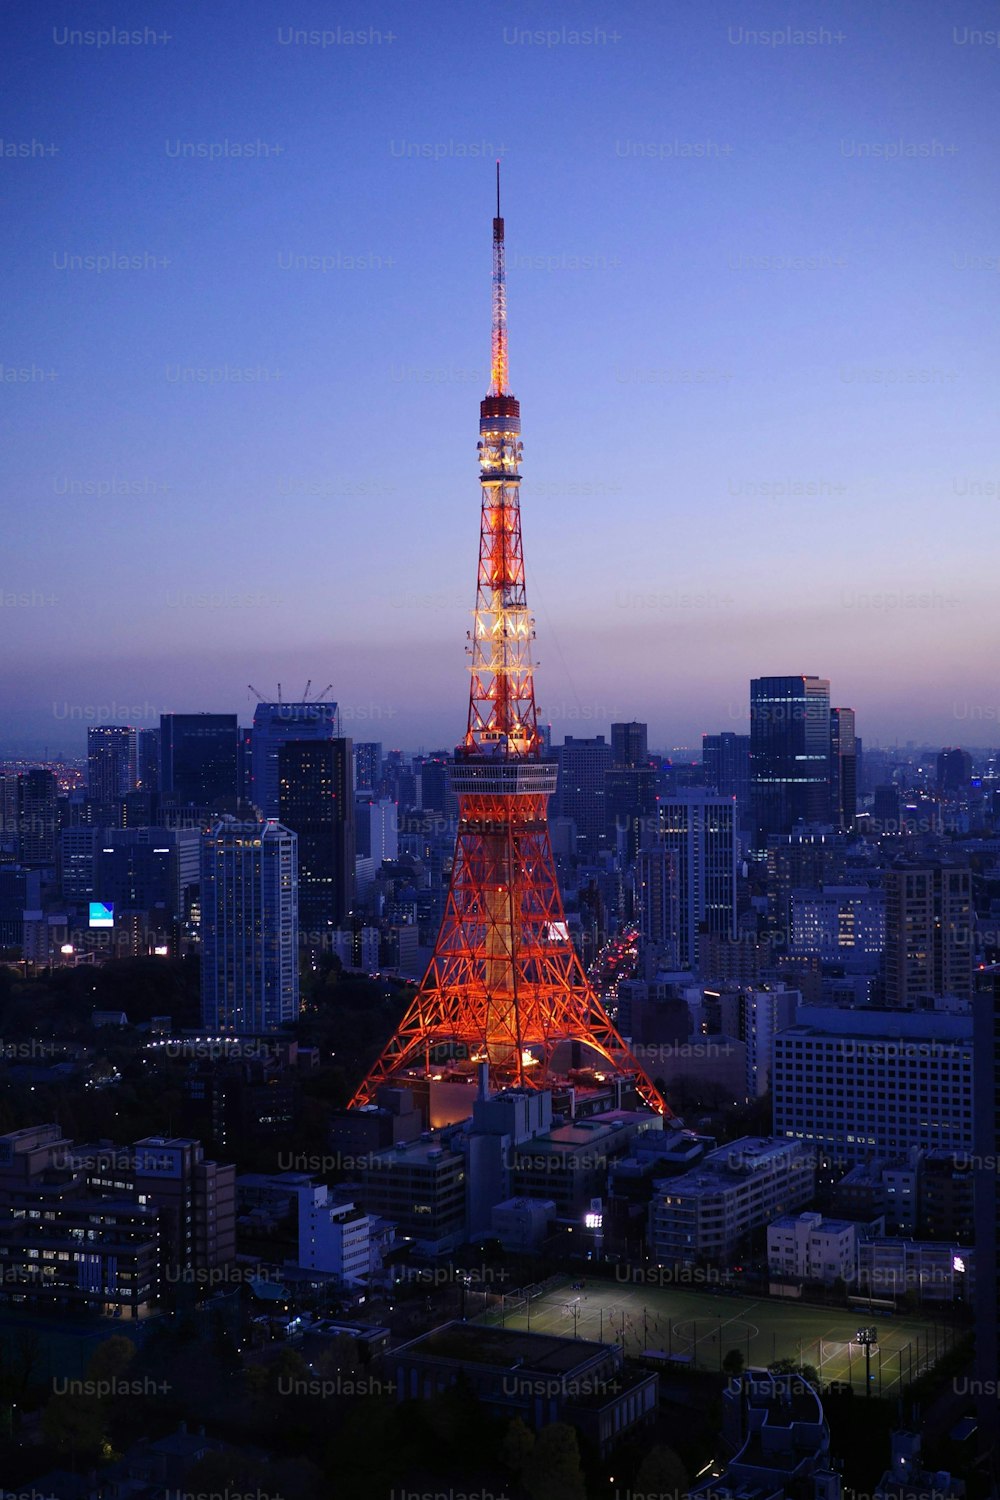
(504, 985)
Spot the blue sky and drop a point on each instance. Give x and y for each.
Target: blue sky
(752, 285)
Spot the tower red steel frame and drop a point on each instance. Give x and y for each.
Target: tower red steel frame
(504, 984)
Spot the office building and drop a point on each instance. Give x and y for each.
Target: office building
(929, 933)
(249, 928)
(726, 759)
(143, 869)
(800, 861)
(38, 818)
(9, 803)
(629, 744)
(698, 829)
(147, 760)
(376, 830)
(839, 922)
(954, 771)
(274, 724)
(656, 898)
(20, 891)
(986, 1200)
(76, 862)
(367, 765)
(843, 769)
(420, 1187)
(861, 1083)
(580, 791)
(789, 754)
(709, 1213)
(111, 762)
(630, 808)
(198, 761)
(316, 801)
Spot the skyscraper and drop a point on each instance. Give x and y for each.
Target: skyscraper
(726, 758)
(698, 829)
(249, 928)
(147, 760)
(583, 767)
(38, 817)
(628, 744)
(274, 724)
(986, 1208)
(843, 769)
(111, 762)
(789, 753)
(367, 765)
(928, 932)
(316, 801)
(198, 760)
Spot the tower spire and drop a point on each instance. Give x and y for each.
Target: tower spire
(498, 386)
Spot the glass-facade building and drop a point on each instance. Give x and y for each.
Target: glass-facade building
(789, 754)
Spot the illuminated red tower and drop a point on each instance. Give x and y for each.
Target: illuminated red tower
(505, 985)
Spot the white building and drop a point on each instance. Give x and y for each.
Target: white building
(811, 1248)
(708, 1213)
(861, 1083)
(756, 1015)
(333, 1237)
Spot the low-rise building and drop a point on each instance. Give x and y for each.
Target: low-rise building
(535, 1376)
(811, 1248)
(420, 1187)
(333, 1236)
(708, 1214)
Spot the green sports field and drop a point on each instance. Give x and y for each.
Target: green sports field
(701, 1329)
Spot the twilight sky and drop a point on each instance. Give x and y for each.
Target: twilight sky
(753, 287)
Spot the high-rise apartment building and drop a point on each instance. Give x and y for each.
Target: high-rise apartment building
(929, 931)
(198, 760)
(656, 896)
(274, 724)
(843, 769)
(698, 829)
(789, 753)
(249, 928)
(316, 801)
(111, 762)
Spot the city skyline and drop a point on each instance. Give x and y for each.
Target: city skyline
(783, 398)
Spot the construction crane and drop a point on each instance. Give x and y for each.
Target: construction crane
(305, 696)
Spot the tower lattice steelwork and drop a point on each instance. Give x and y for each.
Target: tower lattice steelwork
(505, 984)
